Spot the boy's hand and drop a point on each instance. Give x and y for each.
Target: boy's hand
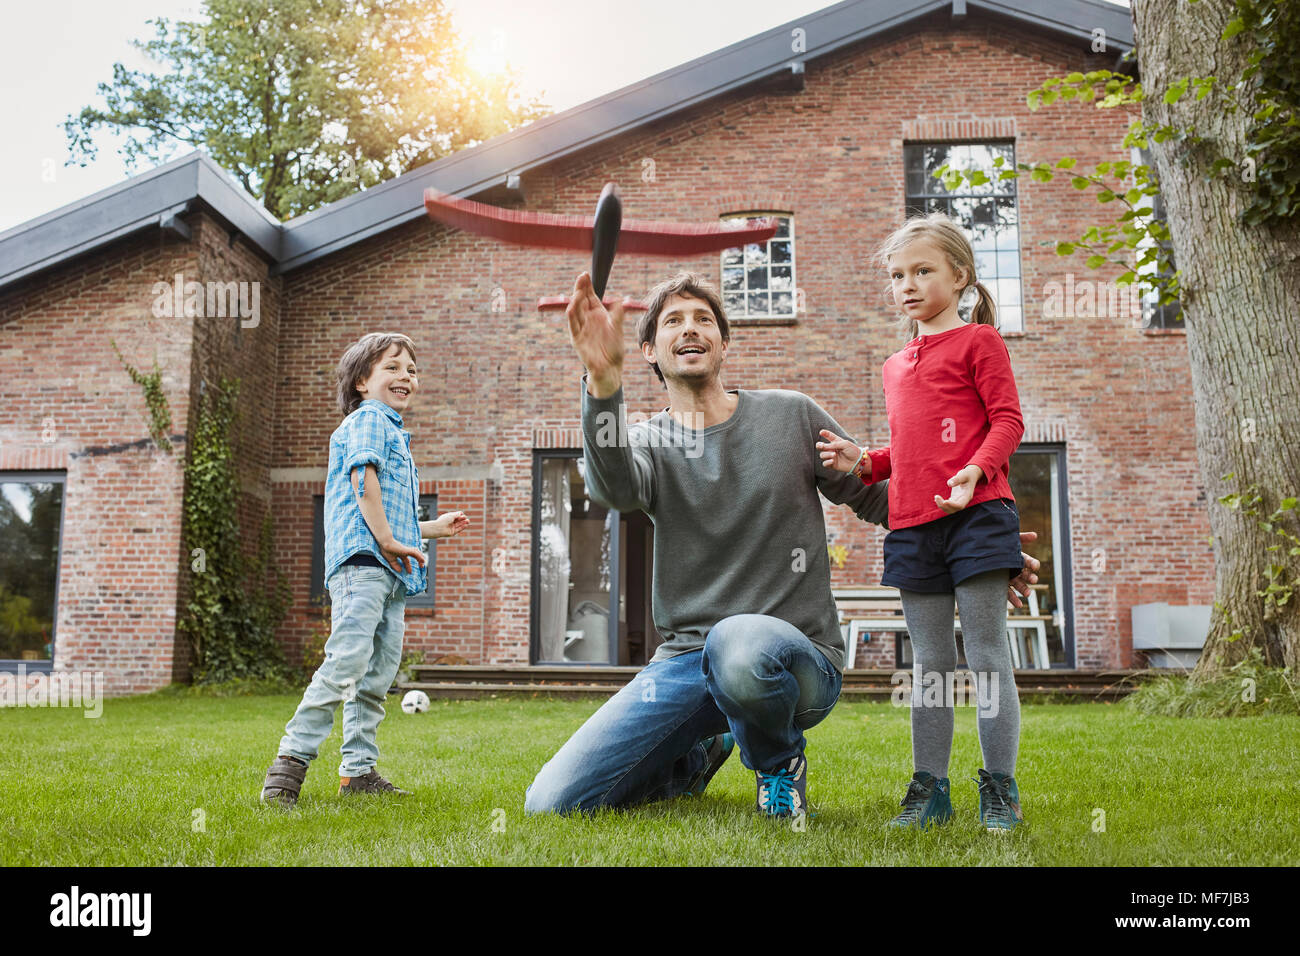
(838, 453)
(399, 555)
(963, 489)
(447, 525)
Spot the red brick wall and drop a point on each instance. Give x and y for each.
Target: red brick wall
(832, 156)
(496, 374)
(121, 523)
(124, 567)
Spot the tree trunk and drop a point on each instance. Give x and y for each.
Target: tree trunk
(1241, 301)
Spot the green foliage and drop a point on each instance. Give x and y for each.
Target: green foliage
(235, 603)
(160, 413)
(1267, 89)
(1250, 688)
(1281, 574)
(1136, 241)
(304, 101)
(1272, 94)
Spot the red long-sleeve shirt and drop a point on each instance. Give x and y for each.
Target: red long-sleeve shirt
(951, 400)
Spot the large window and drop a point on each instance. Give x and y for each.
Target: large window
(758, 279)
(1154, 315)
(320, 594)
(987, 212)
(590, 572)
(31, 517)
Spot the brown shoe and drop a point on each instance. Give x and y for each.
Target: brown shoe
(370, 782)
(283, 781)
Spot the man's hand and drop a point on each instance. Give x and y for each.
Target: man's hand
(447, 525)
(838, 454)
(963, 488)
(597, 337)
(1020, 583)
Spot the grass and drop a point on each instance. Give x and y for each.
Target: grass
(1249, 687)
(163, 780)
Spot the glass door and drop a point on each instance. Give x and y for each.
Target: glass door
(1038, 481)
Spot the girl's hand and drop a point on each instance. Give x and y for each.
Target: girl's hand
(838, 453)
(448, 525)
(963, 489)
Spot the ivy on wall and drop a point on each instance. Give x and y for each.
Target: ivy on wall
(236, 603)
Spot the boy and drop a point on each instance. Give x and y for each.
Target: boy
(372, 533)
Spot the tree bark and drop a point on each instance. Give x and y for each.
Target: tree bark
(1240, 293)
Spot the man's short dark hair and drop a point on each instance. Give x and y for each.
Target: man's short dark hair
(686, 284)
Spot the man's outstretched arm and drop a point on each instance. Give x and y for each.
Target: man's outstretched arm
(615, 476)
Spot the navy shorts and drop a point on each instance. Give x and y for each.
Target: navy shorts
(935, 556)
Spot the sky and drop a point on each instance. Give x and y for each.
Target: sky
(53, 56)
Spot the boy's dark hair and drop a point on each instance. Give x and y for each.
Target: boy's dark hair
(683, 283)
(359, 361)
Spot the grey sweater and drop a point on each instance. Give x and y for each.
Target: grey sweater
(739, 528)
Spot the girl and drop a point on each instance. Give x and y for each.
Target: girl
(954, 420)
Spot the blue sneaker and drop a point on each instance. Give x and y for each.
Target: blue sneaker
(783, 793)
(716, 749)
(926, 802)
(999, 801)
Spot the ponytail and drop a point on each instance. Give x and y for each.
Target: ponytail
(985, 311)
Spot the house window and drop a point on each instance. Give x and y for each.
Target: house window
(1155, 315)
(987, 212)
(31, 521)
(758, 279)
(320, 594)
(591, 571)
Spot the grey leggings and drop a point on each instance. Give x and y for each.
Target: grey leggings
(982, 602)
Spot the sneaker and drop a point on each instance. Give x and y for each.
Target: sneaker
(370, 782)
(717, 749)
(283, 781)
(783, 793)
(927, 801)
(999, 801)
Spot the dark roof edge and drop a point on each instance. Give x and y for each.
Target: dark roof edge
(152, 198)
(145, 201)
(469, 171)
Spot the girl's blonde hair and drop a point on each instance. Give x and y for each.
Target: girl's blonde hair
(952, 242)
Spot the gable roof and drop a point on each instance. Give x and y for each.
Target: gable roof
(157, 197)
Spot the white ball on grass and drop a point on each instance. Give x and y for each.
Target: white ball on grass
(415, 702)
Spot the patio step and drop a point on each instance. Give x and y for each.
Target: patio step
(469, 681)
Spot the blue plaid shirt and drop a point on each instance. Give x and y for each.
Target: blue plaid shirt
(372, 435)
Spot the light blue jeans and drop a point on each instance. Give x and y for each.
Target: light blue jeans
(756, 675)
(362, 655)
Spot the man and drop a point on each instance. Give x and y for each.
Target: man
(753, 651)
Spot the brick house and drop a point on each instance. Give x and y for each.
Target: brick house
(830, 122)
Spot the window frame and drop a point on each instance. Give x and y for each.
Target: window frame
(769, 316)
(17, 476)
(1156, 316)
(911, 208)
(319, 594)
(535, 570)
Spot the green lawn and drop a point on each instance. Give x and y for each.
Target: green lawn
(128, 788)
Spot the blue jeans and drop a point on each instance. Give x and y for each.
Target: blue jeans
(362, 655)
(756, 675)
